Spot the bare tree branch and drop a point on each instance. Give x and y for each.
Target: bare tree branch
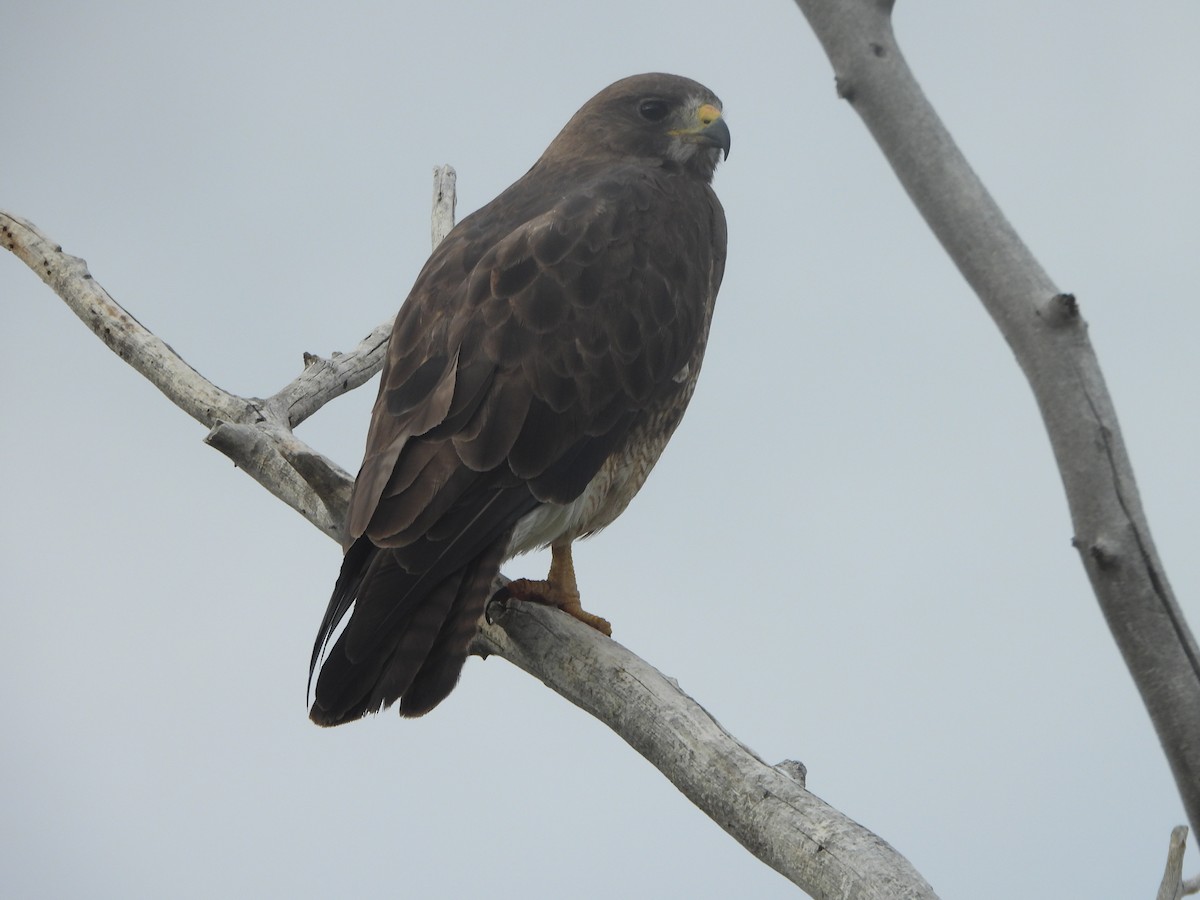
(327, 379)
(313, 485)
(124, 335)
(1049, 338)
(1172, 887)
(766, 808)
(445, 197)
(255, 434)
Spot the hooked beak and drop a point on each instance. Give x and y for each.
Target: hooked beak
(710, 129)
(715, 133)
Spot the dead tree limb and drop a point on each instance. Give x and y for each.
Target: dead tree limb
(766, 808)
(1048, 335)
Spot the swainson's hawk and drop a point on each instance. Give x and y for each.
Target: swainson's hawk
(534, 375)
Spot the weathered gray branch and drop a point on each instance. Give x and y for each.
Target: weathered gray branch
(766, 808)
(255, 434)
(327, 379)
(445, 198)
(125, 336)
(1172, 886)
(1049, 338)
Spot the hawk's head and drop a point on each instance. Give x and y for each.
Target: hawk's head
(664, 117)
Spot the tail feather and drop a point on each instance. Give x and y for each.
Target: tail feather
(413, 608)
(420, 645)
(442, 666)
(354, 567)
(355, 681)
(416, 645)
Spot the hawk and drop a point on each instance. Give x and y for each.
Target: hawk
(534, 375)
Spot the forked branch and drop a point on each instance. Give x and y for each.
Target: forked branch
(766, 808)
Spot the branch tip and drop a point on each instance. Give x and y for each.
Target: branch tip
(1173, 886)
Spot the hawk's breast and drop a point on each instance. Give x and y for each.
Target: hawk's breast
(615, 484)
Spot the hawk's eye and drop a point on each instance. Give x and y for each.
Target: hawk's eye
(653, 110)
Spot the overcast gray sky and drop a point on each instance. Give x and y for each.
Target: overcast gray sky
(855, 553)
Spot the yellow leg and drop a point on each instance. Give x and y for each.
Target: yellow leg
(559, 589)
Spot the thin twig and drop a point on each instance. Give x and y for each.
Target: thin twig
(324, 380)
(1172, 880)
(445, 198)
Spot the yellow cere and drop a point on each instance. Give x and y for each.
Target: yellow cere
(707, 114)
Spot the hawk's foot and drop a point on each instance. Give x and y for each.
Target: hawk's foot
(558, 590)
(548, 594)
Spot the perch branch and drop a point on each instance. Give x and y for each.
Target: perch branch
(766, 808)
(1049, 339)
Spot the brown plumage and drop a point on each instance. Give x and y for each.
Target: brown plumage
(536, 371)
